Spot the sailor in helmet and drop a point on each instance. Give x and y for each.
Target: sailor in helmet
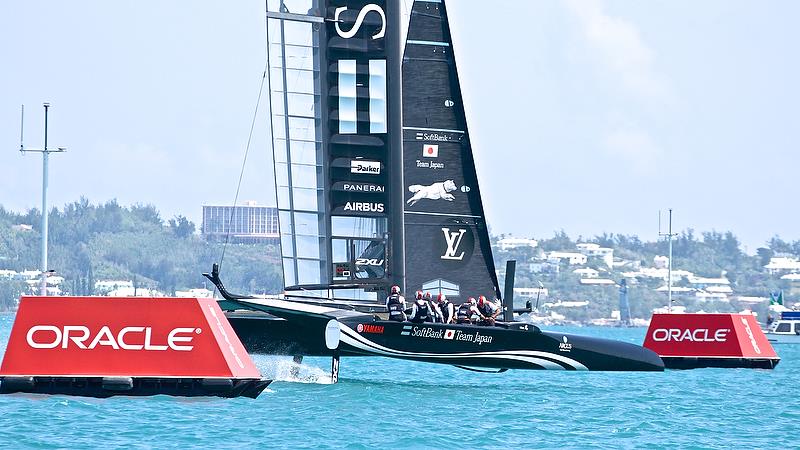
(468, 312)
(447, 309)
(396, 305)
(420, 310)
(488, 311)
(436, 313)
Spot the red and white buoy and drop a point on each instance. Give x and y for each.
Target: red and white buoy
(690, 341)
(101, 346)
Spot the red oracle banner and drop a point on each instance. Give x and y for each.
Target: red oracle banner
(134, 337)
(707, 335)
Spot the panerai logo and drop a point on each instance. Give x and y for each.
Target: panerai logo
(128, 338)
(698, 335)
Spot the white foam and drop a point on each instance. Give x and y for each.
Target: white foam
(286, 370)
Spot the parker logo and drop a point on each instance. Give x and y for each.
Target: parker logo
(366, 167)
(128, 338)
(696, 335)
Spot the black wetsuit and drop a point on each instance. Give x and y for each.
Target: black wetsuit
(421, 312)
(396, 305)
(464, 313)
(447, 309)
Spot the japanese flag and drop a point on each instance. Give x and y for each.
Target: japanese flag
(430, 151)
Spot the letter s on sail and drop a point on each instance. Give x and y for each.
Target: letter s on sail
(359, 20)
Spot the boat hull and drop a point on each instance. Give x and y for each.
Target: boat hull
(510, 346)
(783, 338)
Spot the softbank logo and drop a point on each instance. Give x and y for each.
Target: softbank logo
(360, 20)
(347, 82)
(453, 240)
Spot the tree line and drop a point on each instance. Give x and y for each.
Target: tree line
(90, 242)
(710, 254)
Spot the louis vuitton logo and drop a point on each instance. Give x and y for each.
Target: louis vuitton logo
(453, 240)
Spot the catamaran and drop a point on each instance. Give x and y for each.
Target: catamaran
(377, 186)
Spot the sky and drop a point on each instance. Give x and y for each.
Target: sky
(587, 116)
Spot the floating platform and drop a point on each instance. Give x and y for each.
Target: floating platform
(135, 386)
(693, 341)
(100, 347)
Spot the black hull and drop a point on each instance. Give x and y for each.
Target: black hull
(103, 387)
(511, 346)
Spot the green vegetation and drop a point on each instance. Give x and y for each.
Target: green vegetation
(712, 255)
(110, 242)
(96, 242)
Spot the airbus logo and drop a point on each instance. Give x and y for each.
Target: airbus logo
(128, 338)
(364, 207)
(453, 240)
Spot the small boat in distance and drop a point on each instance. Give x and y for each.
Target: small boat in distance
(786, 329)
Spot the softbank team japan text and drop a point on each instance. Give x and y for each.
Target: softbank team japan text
(457, 335)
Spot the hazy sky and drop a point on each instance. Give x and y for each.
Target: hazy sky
(587, 116)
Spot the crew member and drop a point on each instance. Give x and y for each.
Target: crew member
(467, 311)
(396, 305)
(447, 309)
(420, 310)
(488, 311)
(436, 312)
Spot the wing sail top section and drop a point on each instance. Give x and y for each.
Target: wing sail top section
(335, 111)
(447, 240)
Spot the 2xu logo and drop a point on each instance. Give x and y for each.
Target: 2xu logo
(128, 338)
(369, 262)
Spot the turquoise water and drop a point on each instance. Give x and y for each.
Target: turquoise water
(382, 403)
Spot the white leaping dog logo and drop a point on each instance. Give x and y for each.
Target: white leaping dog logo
(436, 191)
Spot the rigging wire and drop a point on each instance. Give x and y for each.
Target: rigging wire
(250, 136)
(244, 164)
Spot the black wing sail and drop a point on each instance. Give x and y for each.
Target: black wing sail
(446, 237)
(335, 101)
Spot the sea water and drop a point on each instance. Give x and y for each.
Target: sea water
(380, 403)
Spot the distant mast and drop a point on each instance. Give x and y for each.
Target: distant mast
(45, 175)
(669, 236)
